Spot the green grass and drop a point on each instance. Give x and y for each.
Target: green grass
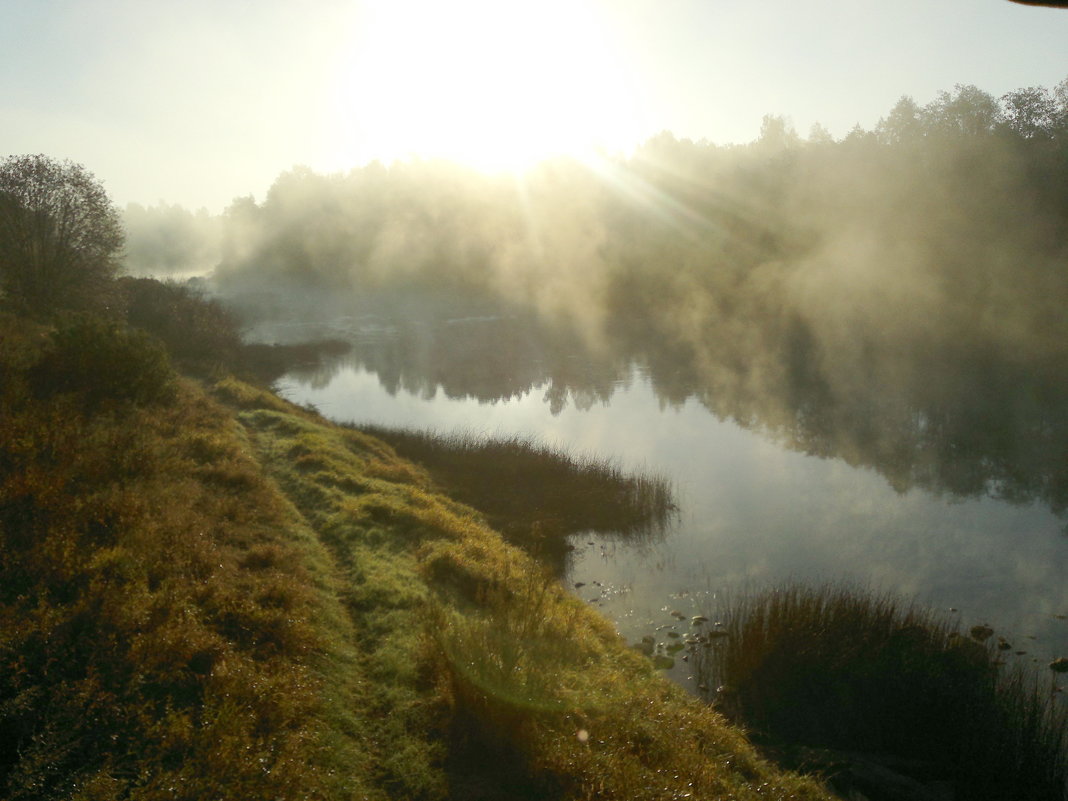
(535, 495)
(837, 667)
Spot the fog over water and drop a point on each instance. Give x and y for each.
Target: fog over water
(851, 356)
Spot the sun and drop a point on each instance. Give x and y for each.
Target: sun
(491, 84)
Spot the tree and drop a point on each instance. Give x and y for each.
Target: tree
(1060, 111)
(60, 236)
(903, 124)
(968, 112)
(776, 133)
(1030, 113)
(818, 135)
(164, 240)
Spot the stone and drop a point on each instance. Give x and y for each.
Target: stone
(981, 633)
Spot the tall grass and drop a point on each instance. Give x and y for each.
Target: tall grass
(842, 668)
(534, 494)
(162, 631)
(546, 704)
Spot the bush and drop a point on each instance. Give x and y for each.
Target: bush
(103, 361)
(200, 333)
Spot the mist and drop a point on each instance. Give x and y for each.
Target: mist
(894, 298)
(169, 240)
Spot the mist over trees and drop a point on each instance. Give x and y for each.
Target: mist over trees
(168, 240)
(947, 179)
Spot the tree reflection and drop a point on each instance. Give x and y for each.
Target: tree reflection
(954, 420)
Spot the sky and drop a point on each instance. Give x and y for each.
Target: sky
(203, 101)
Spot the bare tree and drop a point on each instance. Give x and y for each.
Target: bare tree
(60, 236)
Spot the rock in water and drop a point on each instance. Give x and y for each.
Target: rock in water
(982, 633)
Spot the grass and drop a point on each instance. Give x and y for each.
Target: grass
(537, 496)
(216, 594)
(161, 606)
(841, 668)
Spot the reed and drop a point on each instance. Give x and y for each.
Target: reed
(837, 667)
(536, 495)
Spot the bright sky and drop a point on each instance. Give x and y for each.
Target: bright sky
(201, 101)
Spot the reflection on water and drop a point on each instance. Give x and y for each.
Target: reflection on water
(966, 423)
(948, 484)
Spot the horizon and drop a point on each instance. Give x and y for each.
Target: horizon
(201, 105)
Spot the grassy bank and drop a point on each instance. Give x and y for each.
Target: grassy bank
(206, 592)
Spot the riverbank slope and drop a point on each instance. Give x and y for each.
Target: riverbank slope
(207, 592)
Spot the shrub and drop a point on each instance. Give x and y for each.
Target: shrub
(199, 332)
(103, 361)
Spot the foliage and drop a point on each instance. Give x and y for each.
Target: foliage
(835, 667)
(60, 236)
(200, 333)
(101, 361)
(203, 335)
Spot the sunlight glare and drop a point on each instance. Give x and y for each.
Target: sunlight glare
(497, 86)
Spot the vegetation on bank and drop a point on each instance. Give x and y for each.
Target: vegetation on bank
(158, 600)
(206, 592)
(537, 496)
(833, 667)
(203, 336)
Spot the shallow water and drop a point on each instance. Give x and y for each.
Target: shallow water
(753, 511)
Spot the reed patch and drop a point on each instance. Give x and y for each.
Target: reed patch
(841, 668)
(535, 495)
